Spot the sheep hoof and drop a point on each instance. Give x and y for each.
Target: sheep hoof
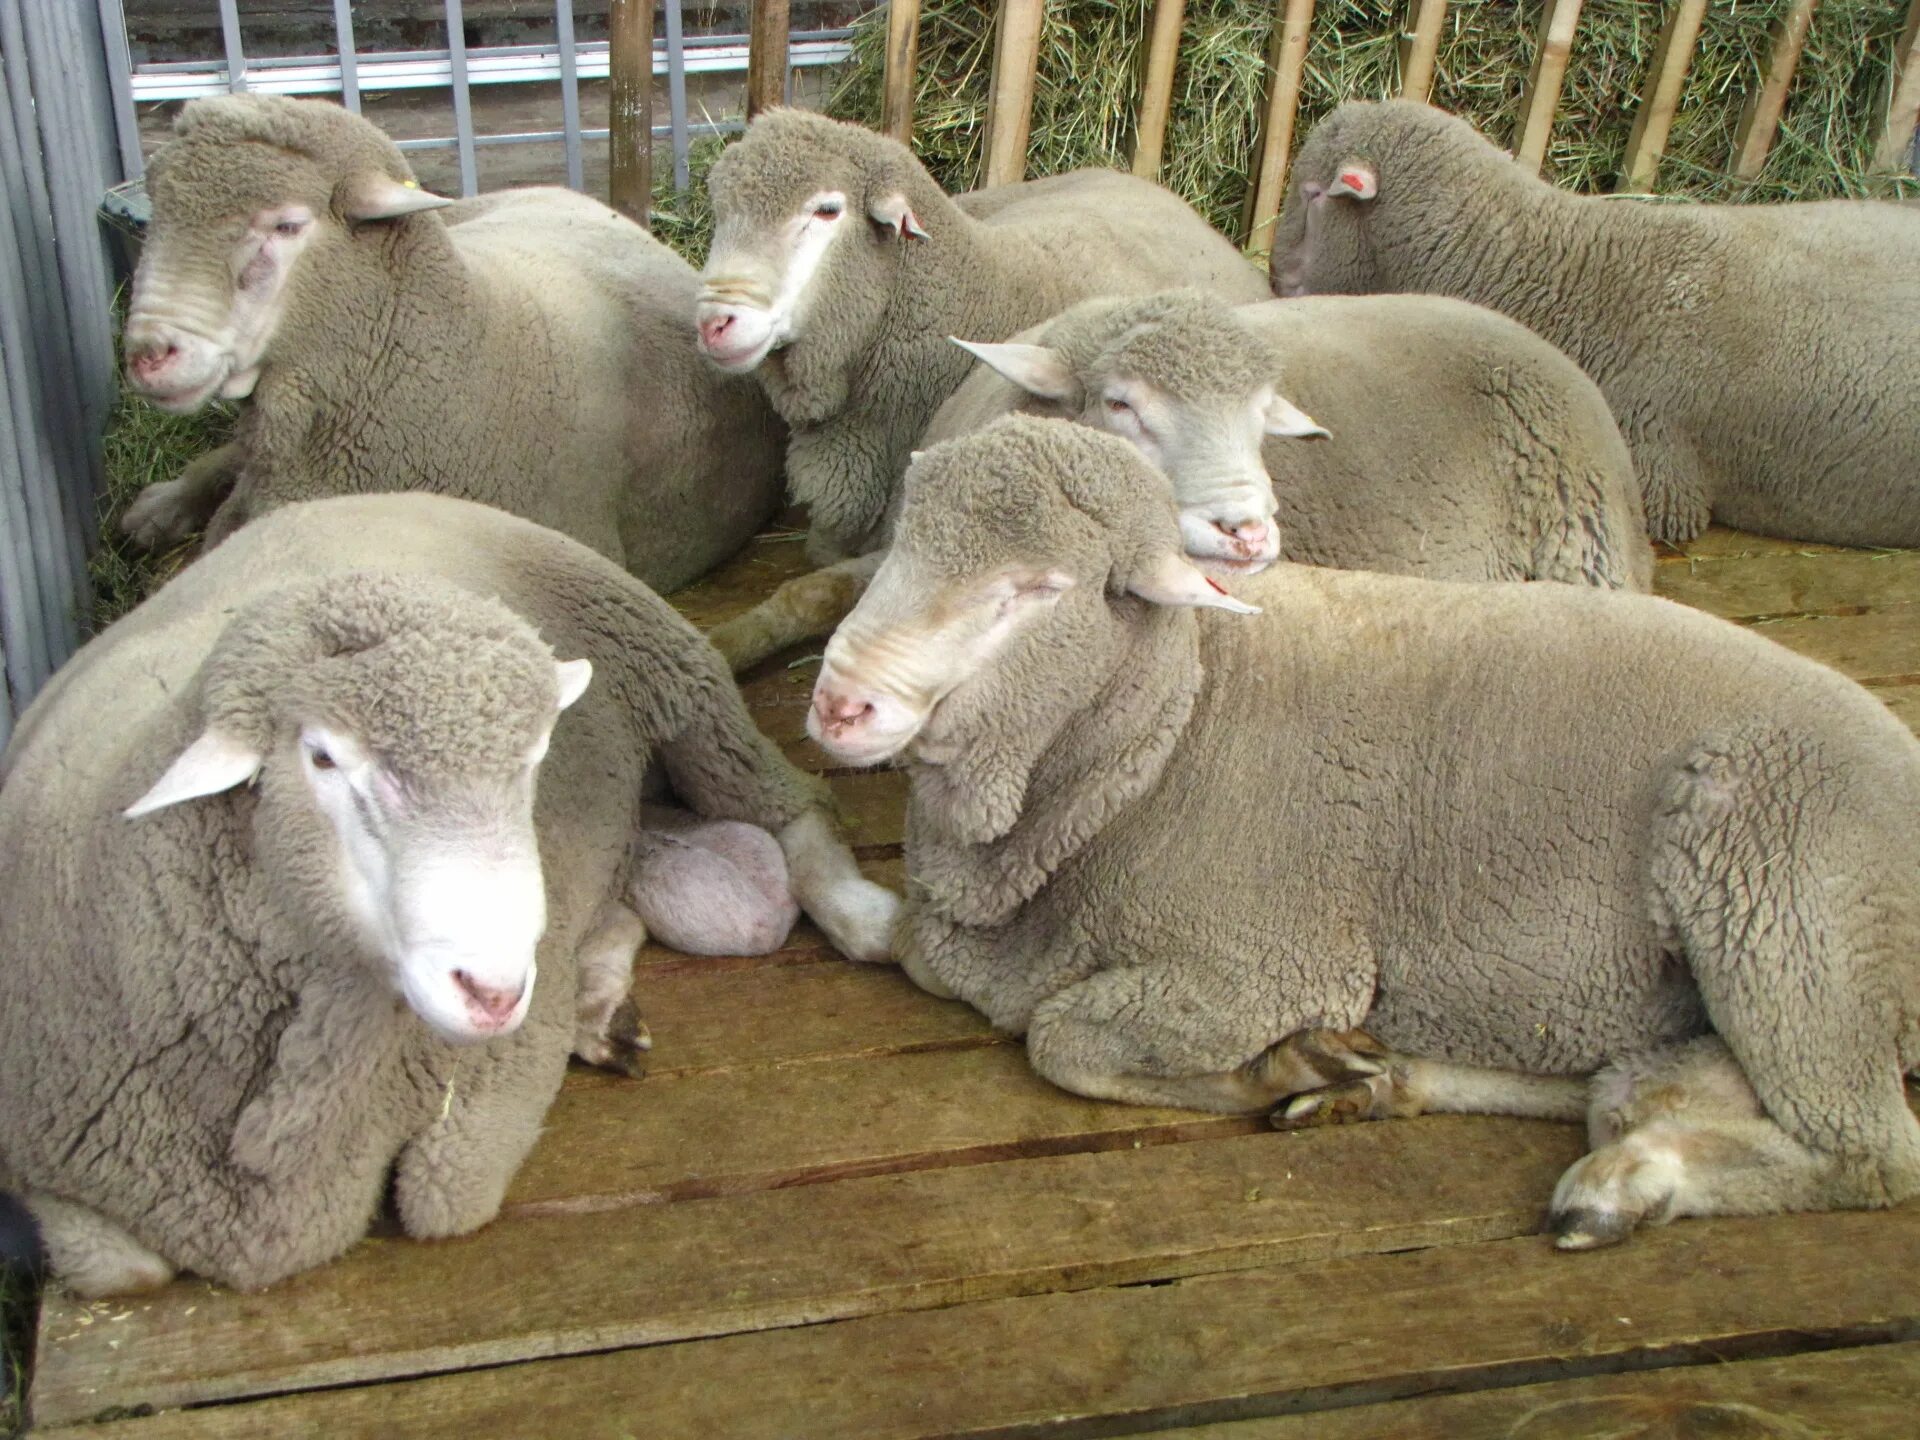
(628, 1041)
(1330, 1105)
(159, 519)
(1590, 1229)
(1314, 1061)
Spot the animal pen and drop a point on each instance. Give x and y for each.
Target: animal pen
(837, 1206)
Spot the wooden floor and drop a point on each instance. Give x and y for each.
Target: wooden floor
(840, 1208)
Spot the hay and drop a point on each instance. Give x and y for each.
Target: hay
(1085, 91)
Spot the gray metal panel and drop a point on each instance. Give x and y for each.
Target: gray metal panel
(462, 97)
(230, 42)
(113, 31)
(569, 90)
(677, 95)
(349, 57)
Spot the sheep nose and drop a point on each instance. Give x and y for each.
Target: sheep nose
(495, 1005)
(148, 360)
(839, 712)
(713, 328)
(1248, 535)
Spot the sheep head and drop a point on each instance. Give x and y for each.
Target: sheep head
(1178, 377)
(1013, 546)
(248, 185)
(395, 727)
(811, 217)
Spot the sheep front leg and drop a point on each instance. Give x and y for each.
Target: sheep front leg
(1386, 1085)
(608, 1030)
(803, 608)
(171, 512)
(90, 1254)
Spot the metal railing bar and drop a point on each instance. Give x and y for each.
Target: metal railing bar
(349, 57)
(677, 95)
(462, 96)
(126, 125)
(538, 137)
(475, 52)
(569, 91)
(230, 42)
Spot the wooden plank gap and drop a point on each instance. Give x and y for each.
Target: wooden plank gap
(1540, 101)
(898, 80)
(1156, 88)
(1016, 58)
(1420, 51)
(1286, 58)
(1903, 98)
(1660, 97)
(1760, 116)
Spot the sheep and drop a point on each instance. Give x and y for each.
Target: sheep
(527, 349)
(279, 882)
(845, 324)
(1754, 355)
(1519, 833)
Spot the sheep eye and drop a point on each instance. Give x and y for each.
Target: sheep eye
(322, 760)
(288, 227)
(1117, 406)
(829, 211)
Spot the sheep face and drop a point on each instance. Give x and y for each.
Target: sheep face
(1012, 546)
(1322, 245)
(809, 215)
(249, 188)
(395, 742)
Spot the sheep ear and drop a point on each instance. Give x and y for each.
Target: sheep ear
(1356, 180)
(1034, 368)
(891, 212)
(573, 676)
(1286, 418)
(211, 764)
(373, 196)
(1173, 580)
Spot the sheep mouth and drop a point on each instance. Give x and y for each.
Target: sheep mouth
(1228, 566)
(179, 399)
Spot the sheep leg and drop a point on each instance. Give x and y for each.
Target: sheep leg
(608, 1030)
(1679, 1131)
(856, 914)
(90, 1254)
(1403, 1085)
(1673, 485)
(171, 512)
(801, 609)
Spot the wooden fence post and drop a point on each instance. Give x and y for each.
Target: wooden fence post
(1016, 55)
(630, 107)
(1286, 56)
(1156, 88)
(1666, 77)
(1760, 117)
(903, 53)
(1541, 98)
(767, 56)
(1418, 56)
(1903, 98)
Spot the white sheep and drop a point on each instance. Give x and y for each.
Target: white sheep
(305, 883)
(1759, 358)
(528, 349)
(1522, 833)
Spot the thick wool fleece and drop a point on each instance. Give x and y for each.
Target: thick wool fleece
(1760, 359)
(529, 349)
(1526, 826)
(1463, 446)
(872, 363)
(188, 1045)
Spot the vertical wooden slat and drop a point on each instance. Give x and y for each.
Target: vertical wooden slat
(1016, 55)
(1542, 96)
(630, 106)
(1760, 118)
(1286, 56)
(903, 53)
(1156, 87)
(1660, 97)
(767, 56)
(1416, 66)
(1903, 98)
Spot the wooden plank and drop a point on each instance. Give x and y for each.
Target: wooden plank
(1666, 78)
(1016, 56)
(767, 29)
(1792, 584)
(1717, 542)
(1760, 116)
(1156, 88)
(569, 1283)
(1903, 97)
(1421, 49)
(744, 581)
(1862, 1394)
(1286, 58)
(1904, 701)
(1881, 645)
(614, 1142)
(1278, 1340)
(897, 81)
(873, 807)
(1541, 99)
(630, 107)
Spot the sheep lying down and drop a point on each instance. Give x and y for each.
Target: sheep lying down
(1559, 851)
(311, 879)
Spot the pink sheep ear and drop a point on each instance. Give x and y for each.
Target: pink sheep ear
(371, 195)
(1170, 579)
(573, 676)
(1034, 368)
(1356, 181)
(1283, 417)
(211, 764)
(891, 212)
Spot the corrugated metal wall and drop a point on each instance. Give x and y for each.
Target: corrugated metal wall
(57, 154)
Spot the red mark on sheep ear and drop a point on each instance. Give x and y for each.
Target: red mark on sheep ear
(1214, 583)
(1353, 180)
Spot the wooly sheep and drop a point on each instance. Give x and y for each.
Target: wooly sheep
(839, 267)
(275, 852)
(1521, 833)
(528, 349)
(1457, 444)
(1759, 358)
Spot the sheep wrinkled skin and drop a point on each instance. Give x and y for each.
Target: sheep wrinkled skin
(1508, 828)
(1759, 358)
(527, 349)
(216, 1071)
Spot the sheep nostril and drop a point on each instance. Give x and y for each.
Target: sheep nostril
(495, 1004)
(715, 326)
(151, 358)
